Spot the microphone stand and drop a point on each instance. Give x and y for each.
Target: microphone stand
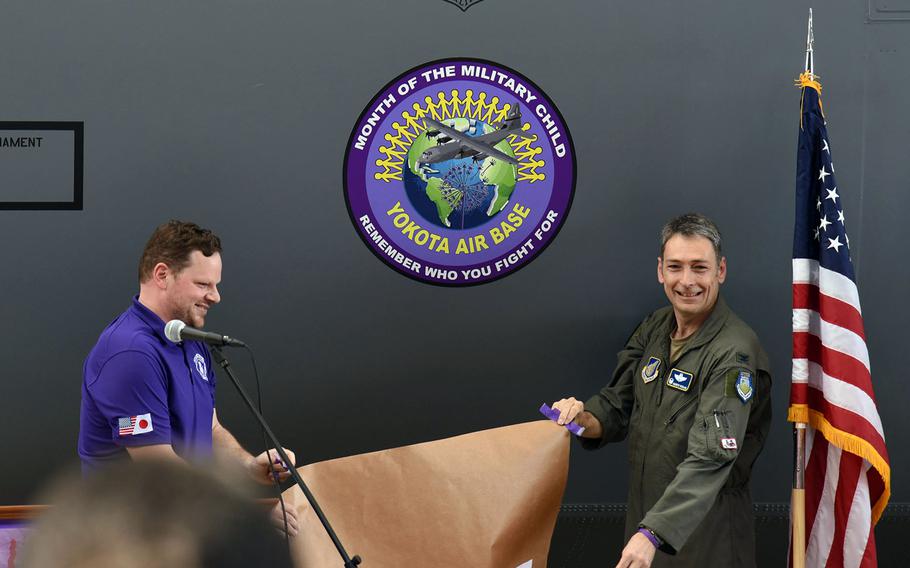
(226, 365)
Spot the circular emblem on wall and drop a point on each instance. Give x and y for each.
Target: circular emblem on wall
(459, 172)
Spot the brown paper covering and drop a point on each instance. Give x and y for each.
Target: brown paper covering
(487, 499)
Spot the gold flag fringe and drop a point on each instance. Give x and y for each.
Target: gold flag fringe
(848, 442)
(809, 79)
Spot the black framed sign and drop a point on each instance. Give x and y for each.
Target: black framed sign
(41, 165)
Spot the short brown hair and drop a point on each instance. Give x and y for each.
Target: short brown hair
(172, 243)
(691, 225)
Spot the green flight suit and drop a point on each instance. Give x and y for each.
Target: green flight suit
(695, 427)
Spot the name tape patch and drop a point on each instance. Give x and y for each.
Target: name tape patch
(680, 380)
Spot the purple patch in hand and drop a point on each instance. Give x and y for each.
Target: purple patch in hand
(553, 415)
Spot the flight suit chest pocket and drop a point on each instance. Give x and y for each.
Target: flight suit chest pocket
(680, 410)
(720, 438)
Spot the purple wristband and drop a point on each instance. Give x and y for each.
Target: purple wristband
(651, 536)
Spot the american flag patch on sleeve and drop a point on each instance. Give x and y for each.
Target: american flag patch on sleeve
(132, 425)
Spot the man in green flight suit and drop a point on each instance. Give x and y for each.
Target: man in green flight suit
(692, 392)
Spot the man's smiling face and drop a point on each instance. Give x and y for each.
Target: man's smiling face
(193, 290)
(691, 275)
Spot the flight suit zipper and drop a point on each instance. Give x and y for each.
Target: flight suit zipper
(664, 355)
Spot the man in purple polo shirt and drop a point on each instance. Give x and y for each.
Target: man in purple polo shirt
(144, 397)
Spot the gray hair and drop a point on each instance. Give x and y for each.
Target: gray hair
(691, 225)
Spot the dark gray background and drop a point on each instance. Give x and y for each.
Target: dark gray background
(236, 115)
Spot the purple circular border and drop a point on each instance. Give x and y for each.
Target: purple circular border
(561, 195)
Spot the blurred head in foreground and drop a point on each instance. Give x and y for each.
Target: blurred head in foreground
(150, 515)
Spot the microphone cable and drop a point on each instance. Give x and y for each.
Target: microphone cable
(272, 471)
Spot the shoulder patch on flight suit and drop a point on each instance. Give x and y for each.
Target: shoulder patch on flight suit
(744, 386)
(679, 379)
(731, 383)
(650, 371)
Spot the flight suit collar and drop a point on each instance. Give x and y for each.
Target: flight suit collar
(708, 330)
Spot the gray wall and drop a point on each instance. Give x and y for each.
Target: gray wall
(236, 114)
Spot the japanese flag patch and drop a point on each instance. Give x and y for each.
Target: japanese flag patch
(132, 425)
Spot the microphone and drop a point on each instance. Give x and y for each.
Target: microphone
(177, 331)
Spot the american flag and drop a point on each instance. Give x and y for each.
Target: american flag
(127, 425)
(847, 475)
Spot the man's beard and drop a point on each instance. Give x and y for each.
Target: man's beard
(191, 318)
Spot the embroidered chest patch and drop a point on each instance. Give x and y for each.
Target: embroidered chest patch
(199, 360)
(680, 380)
(650, 371)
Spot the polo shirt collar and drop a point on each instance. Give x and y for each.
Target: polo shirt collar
(150, 318)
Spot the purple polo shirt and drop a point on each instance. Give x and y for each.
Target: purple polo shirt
(139, 388)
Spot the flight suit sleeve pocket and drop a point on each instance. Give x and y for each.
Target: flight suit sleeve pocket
(720, 436)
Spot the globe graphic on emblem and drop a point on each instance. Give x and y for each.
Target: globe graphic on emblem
(459, 193)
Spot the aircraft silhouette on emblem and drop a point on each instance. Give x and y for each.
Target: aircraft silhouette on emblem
(454, 144)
